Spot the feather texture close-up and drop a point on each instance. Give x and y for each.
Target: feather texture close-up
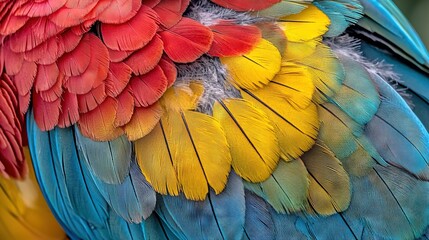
(212, 119)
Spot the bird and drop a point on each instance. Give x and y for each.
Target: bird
(212, 119)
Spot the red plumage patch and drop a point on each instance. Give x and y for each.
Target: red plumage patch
(125, 108)
(46, 114)
(231, 39)
(33, 33)
(14, 60)
(67, 17)
(186, 41)
(120, 11)
(170, 11)
(118, 78)
(144, 60)
(88, 102)
(69, 110)
(24, 80)
(55, 91)
(47, 76)
(169, 70)
(98, 124)
(133, 34)
(11, 120)
(148, 88)
(246, 5)
(97, 69)
(34, 8)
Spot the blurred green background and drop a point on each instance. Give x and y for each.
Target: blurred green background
(417, 11)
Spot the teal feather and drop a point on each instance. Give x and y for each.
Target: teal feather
(342, 14)
(397, 134)
(286, 189)
(385, 19)
(47, 153)
(358, 96)
(133, 199)
(217, 217)
(109, 161)
(258, 224)
(84, 196)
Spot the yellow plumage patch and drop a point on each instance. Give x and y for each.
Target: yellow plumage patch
(293, 83)
(254, 146)
(300, 50)
(186, 152)
(254, 69)
(326, 70)
(306, 25)
(143, 121)
(296, 128)
(24, 213)
(329, 190)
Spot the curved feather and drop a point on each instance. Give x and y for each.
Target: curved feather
(253, 142)
(218, 216)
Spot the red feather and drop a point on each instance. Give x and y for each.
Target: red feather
(55, 91)
(118, 78)
(148, 88)
(233, 40)
(14, 60)
(10, 24)
(170, 11)
(67, 17)
(77, 61)
(47, 76)
(24, 102)
(97, 70)
(120, 11)
(37, 8)
(70, 40)
(143, 121)
(88, 102)
(24, 80)
(118, 56)
(144, 60)
(33, 33)
(99, 123)
(46, 113)
(78, 3)
(133, 34)
(125, 108)
(186, 41)
(47, 52)
(69, 110)
(151, 3)
(246, 5)
(169, 69)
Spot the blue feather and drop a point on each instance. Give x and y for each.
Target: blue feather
(217, 217)
(342, 14)
(85, 199)
(49, 169)
(134, 199)
(397, 134)
(385, 18)
(109, 161)
(258, 224)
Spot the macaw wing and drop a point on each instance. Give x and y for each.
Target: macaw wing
(180, 135)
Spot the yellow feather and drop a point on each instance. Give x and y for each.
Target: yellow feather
(306, 25)
(143, 121)
(254, 69)
(154, 158)
(253, 142)
(182, 97)
(326, 70)
(293, 83)
(300, 50)
(24, 213)
(329, 190)
(187, 151)
(296, 128)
